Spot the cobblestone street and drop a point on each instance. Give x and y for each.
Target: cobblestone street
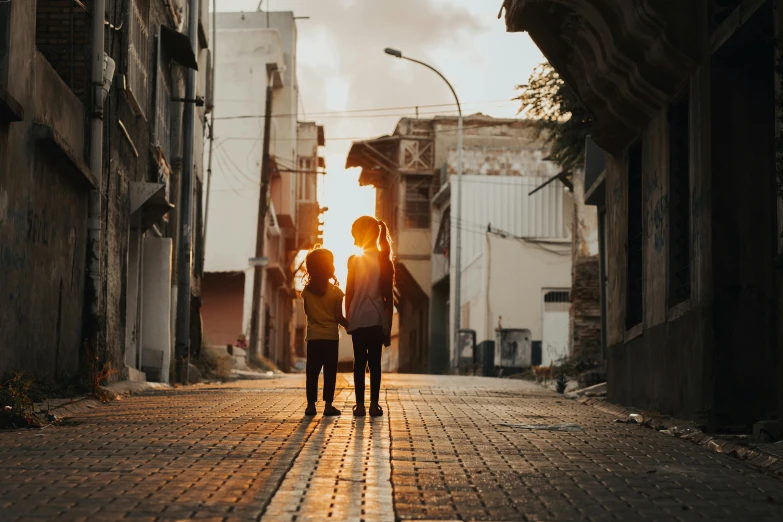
(244, 451)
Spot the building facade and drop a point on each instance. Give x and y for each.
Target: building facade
(516, 240)
(413, 172)
(259, 48)
(71, 301)
(684, 101)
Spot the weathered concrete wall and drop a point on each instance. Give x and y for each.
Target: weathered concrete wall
(43, 213)
(715, 356)
(658, 364)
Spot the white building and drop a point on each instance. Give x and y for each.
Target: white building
(516, 246)
(255, 49)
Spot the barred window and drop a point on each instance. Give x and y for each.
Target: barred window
(417, 201)
(679, 203)
(138, 55)
(557, 301)
(162, 134)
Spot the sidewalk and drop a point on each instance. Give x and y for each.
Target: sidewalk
(449, 448)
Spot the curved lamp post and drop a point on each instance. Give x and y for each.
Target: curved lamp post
(457, 215)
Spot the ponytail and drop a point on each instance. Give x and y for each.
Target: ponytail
(386, 260)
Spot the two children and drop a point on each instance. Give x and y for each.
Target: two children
(369, 305)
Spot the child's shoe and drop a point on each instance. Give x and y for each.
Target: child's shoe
(331, 411)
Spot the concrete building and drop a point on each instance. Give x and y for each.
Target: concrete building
(413, 171)
(54, 315)
(683, 96)
(257, 48)
(516, 240)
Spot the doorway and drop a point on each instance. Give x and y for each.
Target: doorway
(743, 200)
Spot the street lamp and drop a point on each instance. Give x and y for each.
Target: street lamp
(458, 214)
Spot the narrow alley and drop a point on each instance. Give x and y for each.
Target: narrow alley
(244, 451)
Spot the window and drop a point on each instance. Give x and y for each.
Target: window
(557, 301)
(138, 55)
(679, 203)
(633, 313)
(307, 179)
(443, 239)
(162, 134)
(62, 36)
(5, 40)
(417, 201)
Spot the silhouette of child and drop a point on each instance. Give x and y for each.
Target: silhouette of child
(369, 302)
(323, 304)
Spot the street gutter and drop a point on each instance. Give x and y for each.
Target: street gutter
(759, 456)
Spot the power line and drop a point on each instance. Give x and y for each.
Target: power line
(370, 138)
(379, 109)
(353, 116)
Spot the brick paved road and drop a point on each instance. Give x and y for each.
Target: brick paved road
(244, 451)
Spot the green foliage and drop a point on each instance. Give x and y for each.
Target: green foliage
(561, 117)
(17, 408)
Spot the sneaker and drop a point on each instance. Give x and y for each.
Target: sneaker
(310, 410)
(331, 411)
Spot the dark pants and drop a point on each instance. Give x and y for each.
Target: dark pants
(367, 349)
(321, 353)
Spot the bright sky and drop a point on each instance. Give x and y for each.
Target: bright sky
(342, 67)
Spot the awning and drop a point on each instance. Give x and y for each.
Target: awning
(595, 174)
(377, 158)
(10, 109)
(179, 46)
(564, 177)
(148, 204)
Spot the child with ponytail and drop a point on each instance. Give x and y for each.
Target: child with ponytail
(369, 303)
(323, 304)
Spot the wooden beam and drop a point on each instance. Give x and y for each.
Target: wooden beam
(734, 22)
(389, 163)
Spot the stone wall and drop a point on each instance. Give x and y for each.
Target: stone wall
(586, 311)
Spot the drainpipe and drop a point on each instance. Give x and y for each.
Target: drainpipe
(96, 167)
(184, 255)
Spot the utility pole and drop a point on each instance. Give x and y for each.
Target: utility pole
(184, 256)
(211, 128)
(263, 205)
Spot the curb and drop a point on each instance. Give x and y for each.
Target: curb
(755, 457)
(70, 407)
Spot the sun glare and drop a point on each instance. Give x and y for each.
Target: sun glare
(346, 201)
